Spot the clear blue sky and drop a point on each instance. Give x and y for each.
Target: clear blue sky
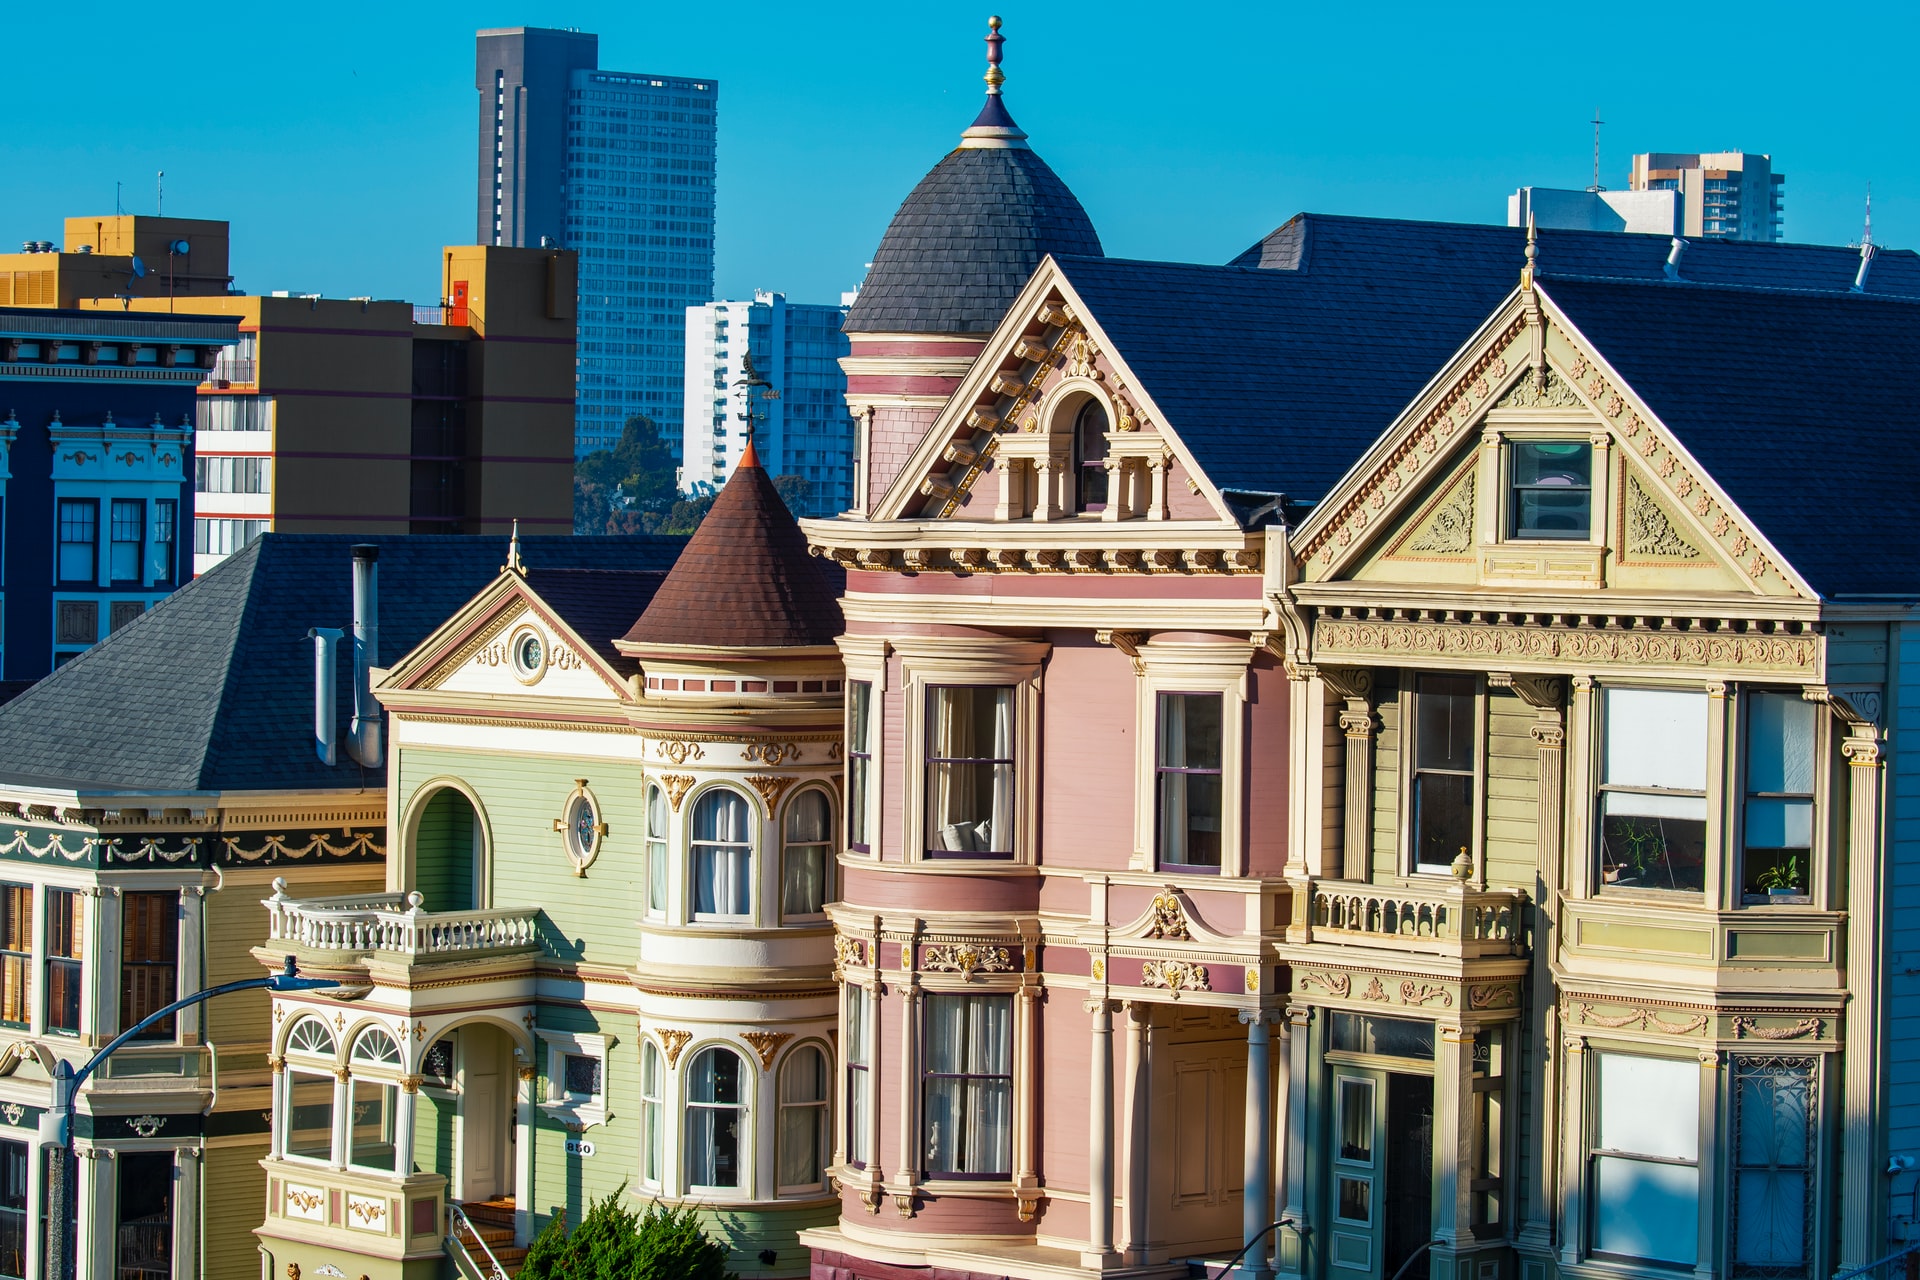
(339, 139)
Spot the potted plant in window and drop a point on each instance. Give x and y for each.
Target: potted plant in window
(1782, 882)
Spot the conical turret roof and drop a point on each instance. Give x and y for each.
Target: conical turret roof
(745, 580)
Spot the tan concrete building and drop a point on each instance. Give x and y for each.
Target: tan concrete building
(1724, 195)
(123, 256)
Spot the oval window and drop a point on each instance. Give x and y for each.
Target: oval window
(583, 828)
(527, 652)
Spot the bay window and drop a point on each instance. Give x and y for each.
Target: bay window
(149, 960)
(1645, 1159)
(859, 763)
(806, 855)
(1777, 848)
(969, 771)
(859, 1061)
(656, 851)
(1444, 729)
(722, 855)
(1653, 789)
(717, 1081)
(373, 1103)
(803, 1120)
(307, 1114)
(66, 941)
(967, 1086)
(1187, 792)
(1775, 1133)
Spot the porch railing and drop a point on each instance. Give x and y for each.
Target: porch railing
(393, 923)
(1452, 920)
(461, 1231)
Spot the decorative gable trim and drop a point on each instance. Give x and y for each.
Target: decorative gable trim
(1444, 530)
(469, 633)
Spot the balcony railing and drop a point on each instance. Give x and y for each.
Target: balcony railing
(394, 923)
(1452, 920)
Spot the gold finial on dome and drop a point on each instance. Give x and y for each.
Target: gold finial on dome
(993, 127)
(995, 77)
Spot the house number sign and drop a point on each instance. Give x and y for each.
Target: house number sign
(579, 1147)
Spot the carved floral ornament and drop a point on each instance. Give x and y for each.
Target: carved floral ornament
(1673, 1022)
(1166, 919)
(967, 959)
(1175, 976)
(1590, 645)
(766, 1044)
(850, 952)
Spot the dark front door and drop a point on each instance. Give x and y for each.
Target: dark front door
(1409, 1160)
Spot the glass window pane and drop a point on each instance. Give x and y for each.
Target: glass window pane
(970, 770)
(310, 1118)
(371, 1134)
(1650, 1106)
(1780, 750)
(656, 814)
(1656, 738)
(721, 816)
(1190, 729)
(1356, 1120)
(1559, 464)
(1771, 1227)
(1355, 1200)
(1653, 842)
(1444, 716)
(807, 818)
(1779, 824)
(1442, 819)
(1646, 1210)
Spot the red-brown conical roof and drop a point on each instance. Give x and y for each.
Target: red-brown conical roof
(745, 580)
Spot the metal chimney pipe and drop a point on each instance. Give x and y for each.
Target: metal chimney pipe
(1673, 258)
(325, 704)
(366, 746)
(1866, 261)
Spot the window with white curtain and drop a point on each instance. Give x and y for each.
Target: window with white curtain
(1777, 852)
(1775, 1135)
(859, 1059)
(967, 1086)
(1187, 797)
(1653, 789)
(1646, 1159)
(653, 1137)
(722, 855)
(656, 851)
(806, 855)
(803, 1120)
(969, 771)
(859, 762)
(717, 1082)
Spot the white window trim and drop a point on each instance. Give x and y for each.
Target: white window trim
(1496, 474)
(835, 829)
(1405, 854)
(824, 1106)
(865, 659)
(1589, 701)
(925, 663)
(556, 1101)
(1189, 667)
(756, 856)
(1821, 850)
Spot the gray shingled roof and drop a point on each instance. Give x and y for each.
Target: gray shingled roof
(966, 241)
(212, 689)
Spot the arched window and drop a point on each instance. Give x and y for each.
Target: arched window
(722, 855)
(308, 1111)
(656, 851)
(717, 1083)
(807, 855)
(803, 1120)
(373, 1103)
(377, 1047)
(653, 1138)
(1090, 456)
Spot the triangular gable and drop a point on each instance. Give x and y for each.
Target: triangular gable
(1421, 506)
(483, 651)
(1048, 346)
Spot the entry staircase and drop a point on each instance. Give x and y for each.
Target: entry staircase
(480, 1239)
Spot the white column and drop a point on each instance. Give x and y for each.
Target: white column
(1139, 1118)
(1255, 1198)
(1289, 1258)
(906, 1176)
(1026, 1094)
(1573, 1156)
(186, 1211)
(1157, 501)
(1453, 1138)
(36, 986)
(523, 1105)
(405, 1119)
(342, 1116)
(1862, 1183)
(94, 1231)
(36, 1186)
(1100, 1139)
(100, 971)
(193, 906)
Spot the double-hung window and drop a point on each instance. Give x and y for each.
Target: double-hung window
(968, 1086)
(16, 954)
(656, 851)
(128, 541)
(373, 1102)
(66, 943)
(1187, 780)
(1550, 495)
(165, 524)
(859, 1061)
(653, 1111)
(149, 960)
(1645, 1159)
(969, 771)
(1777, 849)
(806, 855)
(722, 855)
(1653, 789)
(1444, 728)
(859, 763)
(79, 540)
(716, 1119)
(13, 1210)
(803, 1120)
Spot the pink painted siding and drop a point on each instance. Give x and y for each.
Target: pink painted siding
(1087, 755)
(892, 437)
(891, 890)
(1182, 502)
(1214, 911)
(1066, 1046)
(1268, 752)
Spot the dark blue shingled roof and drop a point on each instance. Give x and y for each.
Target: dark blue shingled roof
(1280, 369)
(212, 689)
(966, 241)
(1804, 407)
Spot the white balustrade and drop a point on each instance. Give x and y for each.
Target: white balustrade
(393, 923)
(1447, 920)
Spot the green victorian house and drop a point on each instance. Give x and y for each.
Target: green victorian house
(601, 956)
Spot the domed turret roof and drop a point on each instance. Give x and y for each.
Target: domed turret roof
(745, 580)
(970, 234)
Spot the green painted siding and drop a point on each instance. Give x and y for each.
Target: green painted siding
(1386, 776)
(236, 923)
(443, 853)
(233, 1192)
(1513, 792)
(591, 916)
(433, 1122)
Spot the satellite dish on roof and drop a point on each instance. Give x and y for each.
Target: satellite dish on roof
(139, 269)
(177, 246)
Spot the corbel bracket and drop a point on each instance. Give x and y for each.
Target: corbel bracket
(1542, 693)
(1127, 642)
(1856, 704)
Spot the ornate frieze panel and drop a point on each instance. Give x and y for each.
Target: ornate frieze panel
(1786, 649)
(1448, 529)
(1648, 534)
(159, 849)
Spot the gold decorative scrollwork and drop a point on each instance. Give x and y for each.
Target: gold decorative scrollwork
(1425, 993)
(1175, 976)
(1644, 1020)
(966, 959)
(1337, 985)
(677, 785)
(1168, 920)
(672, 1042)
(766, 1044)
(1745, 1026)
(679, 752)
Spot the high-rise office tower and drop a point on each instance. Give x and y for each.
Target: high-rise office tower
(803, 429)
(1724, 195)
(618, 166)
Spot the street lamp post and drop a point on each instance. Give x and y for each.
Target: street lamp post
(56, 1132)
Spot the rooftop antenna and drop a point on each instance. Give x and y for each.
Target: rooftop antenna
(1866, 247)
(118, 208)
(160, 194)
(1866, 235)
(1597, 122)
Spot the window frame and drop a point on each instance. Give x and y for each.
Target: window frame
(653, 1114)
(745, 1136)
(1817, 800)
(1592, 1153)
(1161, 770)
(930, 694)
(822, 1122)
(319, 1066)
(930, 661)
(860, 738)
(927, 1075)
(858, 1039)
(756, 822)
(1193, 668)
(1081, 464)
(130, 969)
(71, 962)
(16, 954)
(1509, 521)
(377, 1073)
(1713, 843)
(1741, 1066)
(555, 1099)
(115, 509)
(166, 549)
(1409, 698)
(659, 868)
(61, 542)
(828, 852)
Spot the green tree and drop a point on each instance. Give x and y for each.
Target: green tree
(635, 476)
(614, 1243)
(793, 491)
